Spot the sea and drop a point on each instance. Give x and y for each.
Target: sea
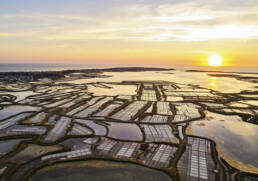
(6, 67)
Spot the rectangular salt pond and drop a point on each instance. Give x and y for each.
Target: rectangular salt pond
(12, 110)
(124, 131)
(99, 129)
(114, 90)
(8, 145)
(20, 95)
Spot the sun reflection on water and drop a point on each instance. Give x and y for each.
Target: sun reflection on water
(213, 83)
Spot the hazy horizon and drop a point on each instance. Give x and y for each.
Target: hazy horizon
(28, 67)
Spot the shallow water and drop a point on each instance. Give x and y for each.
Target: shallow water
(20, 95)
(98, 129)
(125, 131)
(238, 104)
(12, 110)
(235, 138)
(7, 146)
(114, 90)
(251, 102)
(223, 84)
(98, 170)
(239, 145)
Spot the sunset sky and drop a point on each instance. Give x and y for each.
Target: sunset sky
(164, 32)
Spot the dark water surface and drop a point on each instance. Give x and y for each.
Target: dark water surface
(98, 171)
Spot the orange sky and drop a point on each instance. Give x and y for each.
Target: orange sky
(129, 32)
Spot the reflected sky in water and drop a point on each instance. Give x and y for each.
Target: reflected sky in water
(12, 110)
(125, 131)
(223, 84)
(113, 90)
(237, 139)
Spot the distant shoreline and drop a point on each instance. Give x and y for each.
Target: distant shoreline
(35, 75)
(27, 76)
(114, 69)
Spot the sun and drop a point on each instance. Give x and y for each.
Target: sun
(215, 60)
